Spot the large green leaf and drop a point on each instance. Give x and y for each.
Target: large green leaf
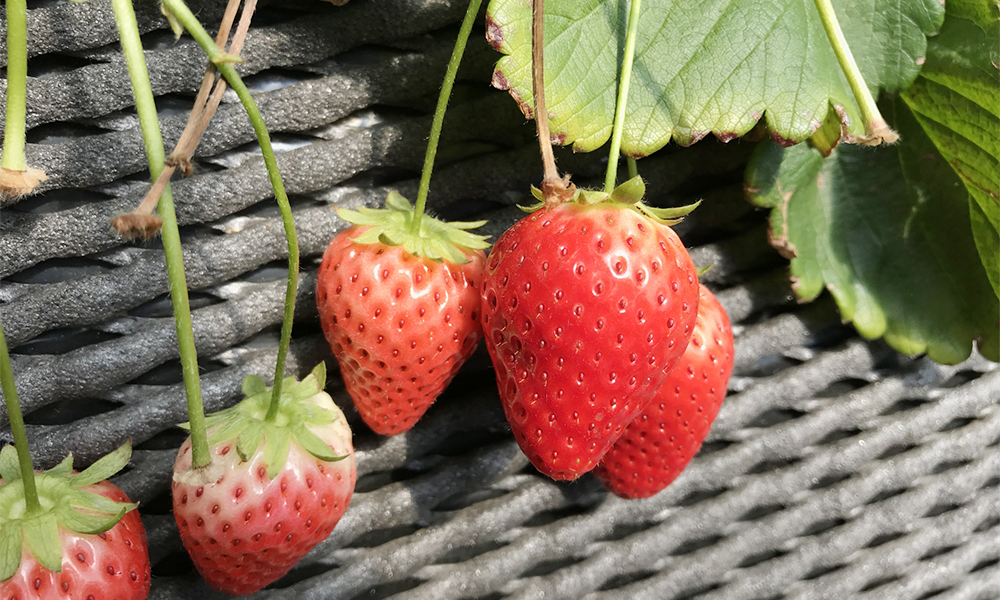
(956, 99)
(886, 231)
(714, 66)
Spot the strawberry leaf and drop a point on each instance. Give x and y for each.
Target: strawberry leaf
(10, 468)
(956, 100)
(10, 551)
(253, 385)
(887, 232)
(312, 444)
(105, 467)
(249, 439)
(728, 62)
(90, 524)
(41, 536)
(276, 446)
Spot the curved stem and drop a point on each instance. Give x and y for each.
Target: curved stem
(145, 106)
(17, 85)
(442, 107)
(190, 22)
(17, 427)
(621, 102)
(875, 126)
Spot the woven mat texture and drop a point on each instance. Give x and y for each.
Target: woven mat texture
(836, 469)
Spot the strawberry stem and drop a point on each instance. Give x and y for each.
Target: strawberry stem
(17, 426)
(442, 107)
(633, 169)
(876, 129)
(184, 15)
(550, 176)
(622, 101)
(17, 85)
(145, 107)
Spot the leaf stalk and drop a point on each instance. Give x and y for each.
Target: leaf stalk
(439, 112)
(17, 427)
(621, 103)
(876, 129)
(145, 107)
(555, 189)
(184, 15)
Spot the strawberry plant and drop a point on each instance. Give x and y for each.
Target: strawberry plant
(65, 534)
(660, 442)
(904, 237)
(398, 293)
(587, 305)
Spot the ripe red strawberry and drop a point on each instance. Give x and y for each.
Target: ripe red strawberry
(87, 543)
(401, 317)
(659, 444)
(275, 489)
(585, 307)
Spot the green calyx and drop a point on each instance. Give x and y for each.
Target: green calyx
(64, 505)
(628, 194)
(247, 422)
(436, 240)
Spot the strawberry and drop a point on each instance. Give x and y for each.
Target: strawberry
(400, 309)
(87, 543)
(657, 446)
(274, 488)
(586, 305)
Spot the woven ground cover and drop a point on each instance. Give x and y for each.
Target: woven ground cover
(838, 468)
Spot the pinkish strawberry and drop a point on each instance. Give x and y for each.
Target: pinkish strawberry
(85, 542)
(400, 309)
(586, 306)
(660, 443)
(275, 488)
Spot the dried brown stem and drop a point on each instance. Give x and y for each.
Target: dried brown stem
(141, 224)
(555, 189)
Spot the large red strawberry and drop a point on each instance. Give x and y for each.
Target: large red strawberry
(659, 444)
(275, 488)
(586, 305)
(400, 309)
(86, 542)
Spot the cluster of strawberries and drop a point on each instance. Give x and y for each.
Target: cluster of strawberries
(609, 355)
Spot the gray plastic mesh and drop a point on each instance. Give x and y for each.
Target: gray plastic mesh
(836, 469)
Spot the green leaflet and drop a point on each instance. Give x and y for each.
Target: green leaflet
(886, 231)
(41, 535)
(715, 66)
(438, 240)
(10, 551)
(276, 450)
(10, 468)
(89, 523)
(105, 467)
(956, 100)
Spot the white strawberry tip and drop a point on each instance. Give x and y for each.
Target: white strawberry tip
(437, 240)
(628, 194)
(247, 423)
(65, 505)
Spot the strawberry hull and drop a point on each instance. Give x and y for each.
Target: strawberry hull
(585, 309)
(399, 325)
(660, 443)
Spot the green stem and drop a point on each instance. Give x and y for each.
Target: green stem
(145, 106)
(17, 85)
(17, 427)
(874, 123)
(442, 107)
(190, 22)
(633, 169)
(621, 103)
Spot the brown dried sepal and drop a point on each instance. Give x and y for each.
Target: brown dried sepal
(137, 227)
(14, 184)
